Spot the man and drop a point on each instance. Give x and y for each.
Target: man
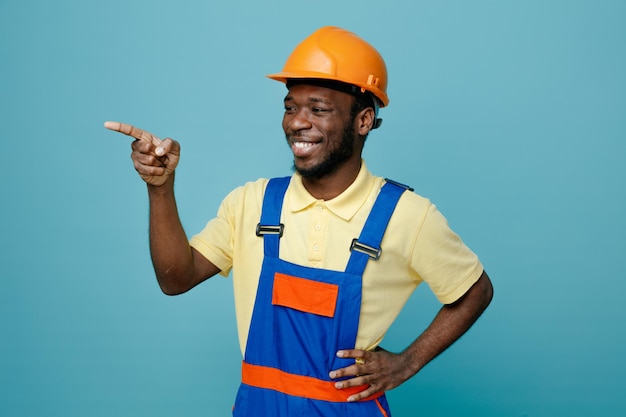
(322, 261)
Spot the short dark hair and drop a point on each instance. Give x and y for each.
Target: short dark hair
(361, 101)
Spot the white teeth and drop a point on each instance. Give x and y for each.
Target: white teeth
(302, 144)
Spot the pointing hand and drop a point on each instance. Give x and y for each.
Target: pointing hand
(155, 160)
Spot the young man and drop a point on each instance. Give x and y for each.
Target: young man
(324, 260)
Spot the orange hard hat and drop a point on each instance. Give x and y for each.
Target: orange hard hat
(332, 53)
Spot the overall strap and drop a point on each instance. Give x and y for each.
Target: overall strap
(367, 246)
(270, 226)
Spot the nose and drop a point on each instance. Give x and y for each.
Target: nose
(296, 121)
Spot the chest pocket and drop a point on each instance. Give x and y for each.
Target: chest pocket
(305, 295)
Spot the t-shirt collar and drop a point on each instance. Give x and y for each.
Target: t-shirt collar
(345, 205)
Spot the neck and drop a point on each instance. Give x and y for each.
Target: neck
(330, 186)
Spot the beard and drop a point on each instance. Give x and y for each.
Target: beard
(334, 159)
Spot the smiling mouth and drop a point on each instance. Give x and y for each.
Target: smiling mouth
(303, 145)
(302, 149)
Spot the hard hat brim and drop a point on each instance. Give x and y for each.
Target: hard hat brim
(284, 76)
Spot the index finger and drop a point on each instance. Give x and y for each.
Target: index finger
(133, 131)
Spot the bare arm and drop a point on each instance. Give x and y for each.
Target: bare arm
(178, 267)
(383, 370)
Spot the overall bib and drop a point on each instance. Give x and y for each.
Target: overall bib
(302, 316)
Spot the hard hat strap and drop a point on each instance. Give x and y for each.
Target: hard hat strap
(377, 121)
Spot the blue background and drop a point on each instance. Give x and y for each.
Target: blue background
(509, 115)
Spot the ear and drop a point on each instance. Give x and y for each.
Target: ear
(365, 121)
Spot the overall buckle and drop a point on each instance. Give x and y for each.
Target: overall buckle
(269, 230)
(370, 251)
(399, 184)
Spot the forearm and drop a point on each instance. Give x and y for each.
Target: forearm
(450, 324)
(171, 254)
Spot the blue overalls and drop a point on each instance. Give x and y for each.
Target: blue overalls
(302, 316)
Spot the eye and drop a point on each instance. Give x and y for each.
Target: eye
(318, 110)
(289, 109)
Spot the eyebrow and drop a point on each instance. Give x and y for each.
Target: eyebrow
(288, 97)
